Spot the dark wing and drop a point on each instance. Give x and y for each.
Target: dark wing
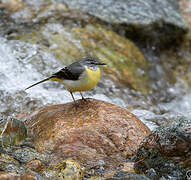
(71, 72)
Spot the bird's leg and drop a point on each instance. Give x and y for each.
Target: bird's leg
(73, 99)
(82, 97)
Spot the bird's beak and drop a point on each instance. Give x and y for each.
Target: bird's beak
(100, 63)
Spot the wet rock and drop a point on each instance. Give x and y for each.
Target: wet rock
(145, 20)
(15, 176)
(166, 151)
(125, 171)
(95, 132)
(64, 170)
(9, 164)
(12, 131)
(27, 154)
(35, 165)
(69, 169)
(127, 176)
(10, 176)
(27, 163)
(30, 176)
(128, 167)
(22, 160)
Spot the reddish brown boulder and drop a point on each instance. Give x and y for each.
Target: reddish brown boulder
(94, 133)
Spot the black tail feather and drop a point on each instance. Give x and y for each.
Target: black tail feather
(39, 82)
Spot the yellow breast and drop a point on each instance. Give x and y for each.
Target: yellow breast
(86, 82)
(93, 77)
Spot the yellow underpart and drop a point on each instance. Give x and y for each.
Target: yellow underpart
(57, 79)
(86, 82)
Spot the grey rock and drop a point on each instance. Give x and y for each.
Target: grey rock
(25, 155)
(150, 18)
(141, 12)
(127, 176)
(166, 152)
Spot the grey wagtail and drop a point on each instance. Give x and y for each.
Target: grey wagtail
(79, 76)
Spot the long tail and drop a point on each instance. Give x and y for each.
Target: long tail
(39, 82)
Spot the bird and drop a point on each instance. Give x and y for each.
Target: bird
(79, 76)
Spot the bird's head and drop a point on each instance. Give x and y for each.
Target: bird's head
(91, 62)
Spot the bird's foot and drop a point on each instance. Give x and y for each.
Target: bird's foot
(76, 105)
(83, 99)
